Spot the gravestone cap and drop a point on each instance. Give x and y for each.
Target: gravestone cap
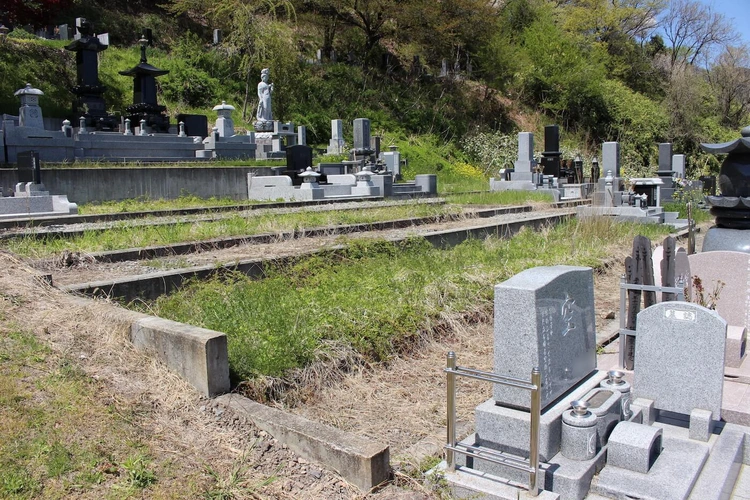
(28, 90)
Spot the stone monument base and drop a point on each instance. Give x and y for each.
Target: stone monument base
(507, 429)
(733, 240)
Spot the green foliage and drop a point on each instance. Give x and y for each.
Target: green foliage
(492, 150)
(138, 473)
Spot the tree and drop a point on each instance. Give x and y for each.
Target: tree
(34, 12)
(730, 81)
(694, 30)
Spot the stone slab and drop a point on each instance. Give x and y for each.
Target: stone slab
(671, 477)
(736, 403)
(196, 354)
(720, 472)
(361, 461)
(722, 239)
(544, 317)
(679, 357)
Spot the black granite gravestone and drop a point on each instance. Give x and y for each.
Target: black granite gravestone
(29, 169)
(195, 125)
(551, 154)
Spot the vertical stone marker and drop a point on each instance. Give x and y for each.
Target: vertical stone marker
(680, 357)
(525, 162)
(544, 317)
(611, 158)
(362, 136)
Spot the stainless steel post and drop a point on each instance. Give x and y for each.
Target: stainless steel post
(536, 410)
(621, 337)
(450, 456)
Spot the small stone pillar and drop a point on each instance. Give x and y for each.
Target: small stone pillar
(30, 114)
(364, 186)
(615, 382)
(82, 125)
(609, 193)
(182, 130)
(67, 129)
(578, 432)
(302, 135)
(128, 129)
(143, 131)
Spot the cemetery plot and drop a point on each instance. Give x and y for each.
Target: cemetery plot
(369, 301)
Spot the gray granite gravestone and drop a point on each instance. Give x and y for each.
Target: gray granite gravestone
(362, 136)
(665, 157)
(611, 157)
(544, 317)
(678, 165)
(679, 357)
(525, 162)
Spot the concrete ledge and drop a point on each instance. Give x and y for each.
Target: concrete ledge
(197, 354)
(360, 461)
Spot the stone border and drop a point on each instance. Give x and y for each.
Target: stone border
(361, 461)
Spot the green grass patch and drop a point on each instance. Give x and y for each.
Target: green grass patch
(122, 235)
(374, 296)
(500, 198)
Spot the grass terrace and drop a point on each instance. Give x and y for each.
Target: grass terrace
(375, 299)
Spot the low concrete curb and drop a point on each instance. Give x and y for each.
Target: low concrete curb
(362, 462)
(198, 355)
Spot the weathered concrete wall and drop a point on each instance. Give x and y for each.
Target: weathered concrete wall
(87, 185)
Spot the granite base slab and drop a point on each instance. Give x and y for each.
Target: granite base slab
(570, 479)
(670, 478)
(507, 429)
(469, 483)
(720, 472)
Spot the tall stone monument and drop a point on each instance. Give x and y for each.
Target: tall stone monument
(88, 90)
(145, 106)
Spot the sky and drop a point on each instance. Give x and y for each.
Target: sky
(738, 13)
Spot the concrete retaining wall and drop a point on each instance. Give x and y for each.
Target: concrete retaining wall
(88, 185)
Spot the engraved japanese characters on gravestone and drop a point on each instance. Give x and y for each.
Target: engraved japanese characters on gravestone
(555, 332)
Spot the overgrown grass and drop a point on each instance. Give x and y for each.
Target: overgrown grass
(58, 439)
(144, 204)
(500, 198)
(375, 296)
(123, 236)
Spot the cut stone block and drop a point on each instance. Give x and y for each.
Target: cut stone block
(634, 447)
(701, 424)
(736, 346)
(646, 408)
(606, 405)
(507, 429)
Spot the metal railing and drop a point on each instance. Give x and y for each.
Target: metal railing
(451, 448)
(678, 291)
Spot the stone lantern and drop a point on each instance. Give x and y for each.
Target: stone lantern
(224, 122)
(30, 114)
